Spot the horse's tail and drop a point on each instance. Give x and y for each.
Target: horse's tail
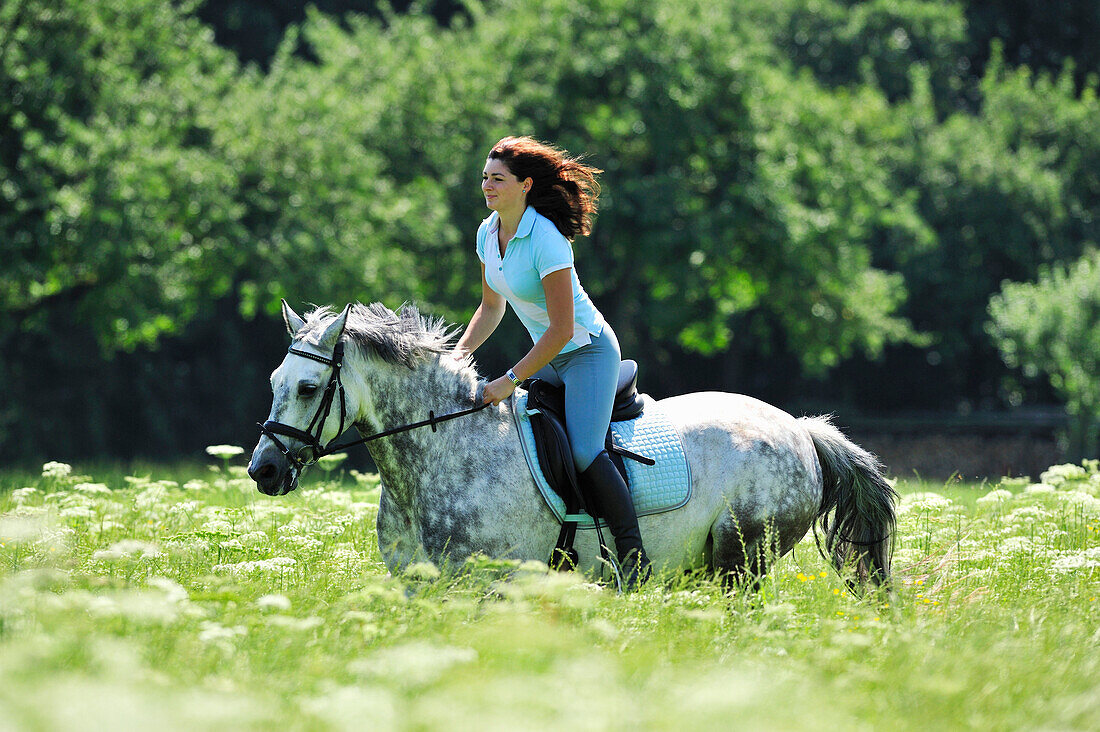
(855, 492)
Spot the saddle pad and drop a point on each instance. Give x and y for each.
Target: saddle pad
(658, 488)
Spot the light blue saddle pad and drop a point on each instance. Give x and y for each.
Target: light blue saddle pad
(661, 487)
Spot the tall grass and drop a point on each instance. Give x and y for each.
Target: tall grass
(185, 599)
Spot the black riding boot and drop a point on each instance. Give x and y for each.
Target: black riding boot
(608, 496)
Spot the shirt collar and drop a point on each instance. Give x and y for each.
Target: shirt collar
(526, 223)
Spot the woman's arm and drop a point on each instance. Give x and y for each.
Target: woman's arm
(558, 287)
(485, 320)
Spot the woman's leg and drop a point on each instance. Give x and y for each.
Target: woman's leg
(590, 375)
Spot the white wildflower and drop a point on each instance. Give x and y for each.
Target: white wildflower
(194, 485)
(224, 452)
(218, 634)
(1017, 545)
(1087, 503)
(276, 565)
(91, 488)
(360, 510)
(254, 539)
(290, 529)
(56, 470)
(1039, 489)
(1027, 515)
(329, 462)
(77, 511)
(218, 526)
(273, 602)
(104, 526)
(17, 528)
(129, 548)
(152, 496)
(307, 545)
(1086, 559)
(338, 499)
(923, 502)
(366, 479)
(345, 707)
(1058, 475)
(995, 497)
(345, 556)
(417, 662)
(22, 495)
(184, 507)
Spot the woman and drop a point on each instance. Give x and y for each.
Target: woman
(541, 200)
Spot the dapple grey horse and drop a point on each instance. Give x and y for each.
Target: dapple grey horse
(760, 477)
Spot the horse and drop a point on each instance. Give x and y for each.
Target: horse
(760, 477)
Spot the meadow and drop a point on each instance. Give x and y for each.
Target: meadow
(178, 596)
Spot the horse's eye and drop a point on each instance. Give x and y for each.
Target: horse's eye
(307, 390)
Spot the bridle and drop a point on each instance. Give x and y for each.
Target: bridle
(334, 388)
(312, 441)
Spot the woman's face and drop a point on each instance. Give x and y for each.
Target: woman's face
(503, 191)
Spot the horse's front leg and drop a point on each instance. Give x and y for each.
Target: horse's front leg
(398, 537)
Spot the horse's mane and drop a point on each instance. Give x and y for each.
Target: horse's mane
(404, 337)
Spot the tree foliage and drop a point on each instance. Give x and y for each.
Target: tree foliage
(818, 189)
(116, 208)
(1051, 327)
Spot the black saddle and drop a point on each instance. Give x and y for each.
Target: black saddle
(546, 410)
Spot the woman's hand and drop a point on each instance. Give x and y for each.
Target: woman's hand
(498, 390)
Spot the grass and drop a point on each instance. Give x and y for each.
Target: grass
(181, 597)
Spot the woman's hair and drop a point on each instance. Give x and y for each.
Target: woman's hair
(563, 189)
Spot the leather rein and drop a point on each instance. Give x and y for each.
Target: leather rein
(334, 388)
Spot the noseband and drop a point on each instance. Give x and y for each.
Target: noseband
(312, 441)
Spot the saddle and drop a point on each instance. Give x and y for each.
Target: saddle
(546, 411)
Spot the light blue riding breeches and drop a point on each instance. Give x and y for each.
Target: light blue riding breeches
(590, 375)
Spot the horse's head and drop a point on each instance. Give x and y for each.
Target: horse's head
(308, 407)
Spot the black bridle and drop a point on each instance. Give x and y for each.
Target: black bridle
(335, 387)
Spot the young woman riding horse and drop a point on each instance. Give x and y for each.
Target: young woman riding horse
(541, 200)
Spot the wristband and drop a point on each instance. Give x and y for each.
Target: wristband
(512, 377)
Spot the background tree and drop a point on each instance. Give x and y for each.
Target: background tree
(811, 202)
(1052, 327)
(117, 211)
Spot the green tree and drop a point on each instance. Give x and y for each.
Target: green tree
(116, 210)
(1052, 327)
(853, 42)
(1005, 191)
(739, 201)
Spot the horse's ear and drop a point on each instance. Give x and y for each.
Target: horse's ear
(335, 329)
(294, 322)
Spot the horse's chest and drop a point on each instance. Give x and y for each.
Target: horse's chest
(438, 525)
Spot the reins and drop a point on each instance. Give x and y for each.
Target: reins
(335, 386)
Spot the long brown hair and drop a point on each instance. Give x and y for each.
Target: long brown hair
(563, 189)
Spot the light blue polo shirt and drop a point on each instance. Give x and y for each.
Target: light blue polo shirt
(537, 249)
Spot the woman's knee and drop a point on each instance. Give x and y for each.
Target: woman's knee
(582, 458)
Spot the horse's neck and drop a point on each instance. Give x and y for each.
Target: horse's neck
(397, 396)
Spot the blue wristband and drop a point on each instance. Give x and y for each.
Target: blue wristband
(512, 377)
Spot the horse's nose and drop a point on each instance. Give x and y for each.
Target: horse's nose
(266, 475)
